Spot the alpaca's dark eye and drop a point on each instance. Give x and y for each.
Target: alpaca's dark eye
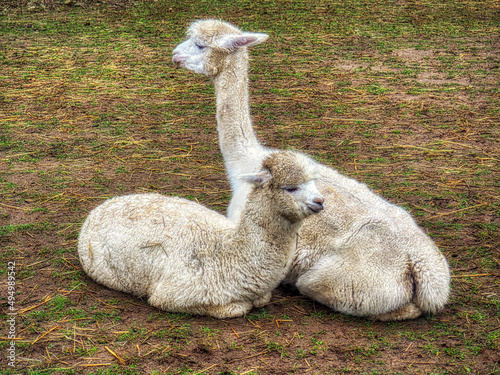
(291, 189)
(199, 46)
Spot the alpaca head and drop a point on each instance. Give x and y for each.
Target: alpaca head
(209, 44)
(290, 178)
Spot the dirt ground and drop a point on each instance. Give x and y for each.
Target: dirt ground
(396, 119)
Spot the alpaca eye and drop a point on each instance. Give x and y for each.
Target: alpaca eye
(291, 189)
(199, 46)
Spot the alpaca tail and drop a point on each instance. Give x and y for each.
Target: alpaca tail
(431, 281)
(429, 277)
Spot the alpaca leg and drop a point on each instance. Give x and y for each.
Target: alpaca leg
(408, 311)
(230, 310)
(262, 300)
(366, 292)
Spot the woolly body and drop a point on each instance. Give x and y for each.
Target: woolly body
(362, 255)
(187, 258)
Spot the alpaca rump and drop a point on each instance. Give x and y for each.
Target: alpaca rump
(361, 255)
(185, 257)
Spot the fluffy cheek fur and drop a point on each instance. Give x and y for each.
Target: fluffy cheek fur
(291, 209)
(213, 60)
(197, 65)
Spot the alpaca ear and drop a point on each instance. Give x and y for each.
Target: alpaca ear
(232, 41)
(257, 179)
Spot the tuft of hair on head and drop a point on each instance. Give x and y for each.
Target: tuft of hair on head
(223, 35)
(291, 167)
(284, 168)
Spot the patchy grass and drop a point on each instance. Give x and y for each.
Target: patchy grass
(403, 96)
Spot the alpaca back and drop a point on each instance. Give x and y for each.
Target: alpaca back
(130, 243)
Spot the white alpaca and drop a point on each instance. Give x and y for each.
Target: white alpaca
(362, 255)
(187, 258)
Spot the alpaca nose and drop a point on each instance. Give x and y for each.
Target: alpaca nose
(319, 201)
(176, 59)
(317, 205)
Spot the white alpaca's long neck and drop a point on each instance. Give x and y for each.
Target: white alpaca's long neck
(237, 138)
(238, 143)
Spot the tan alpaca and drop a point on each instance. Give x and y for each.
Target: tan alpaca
(362, 255)
(186, 258)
